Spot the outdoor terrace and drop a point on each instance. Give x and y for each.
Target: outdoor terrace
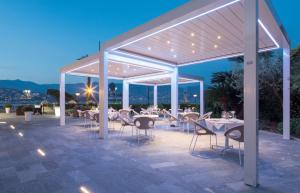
(75, 157)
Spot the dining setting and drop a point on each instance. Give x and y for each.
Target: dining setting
(141, 125)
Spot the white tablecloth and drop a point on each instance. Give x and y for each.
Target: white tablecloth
(221, 124)
(151, 116)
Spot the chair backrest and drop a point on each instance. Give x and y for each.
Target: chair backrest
(168, 114)
(206, 115)
(96, 117)
(144, 123)
(201, 129)
(192, 116)
(80, 113)
(124, 120)
(124, 112)
(112, 116)
(236, 133)
(91, 115)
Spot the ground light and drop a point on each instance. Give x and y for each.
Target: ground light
(12, 127)
(20, 134)
(41, 152)
(84, 189)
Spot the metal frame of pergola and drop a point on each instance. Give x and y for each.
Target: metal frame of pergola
(194, 33)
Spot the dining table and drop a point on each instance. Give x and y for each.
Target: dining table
(150, 116)
(221, 125)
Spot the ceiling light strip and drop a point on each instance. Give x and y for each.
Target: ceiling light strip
(147, 59)
(80, 67)
(177, 24)
(268, 33)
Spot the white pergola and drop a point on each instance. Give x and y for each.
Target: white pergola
(194, 33)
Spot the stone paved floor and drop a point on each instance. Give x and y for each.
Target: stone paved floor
(75, 157)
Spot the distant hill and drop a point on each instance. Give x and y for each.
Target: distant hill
(39, 88)
(138, 94)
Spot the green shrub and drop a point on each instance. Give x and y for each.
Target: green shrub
(7, 105)
(294, 126)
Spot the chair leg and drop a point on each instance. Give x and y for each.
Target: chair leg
(191, 142)
(195, 143)
(240, 154)
(121, 130)
(216, 140)
(210, 141)
(138, 136)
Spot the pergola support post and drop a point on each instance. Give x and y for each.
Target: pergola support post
(286, 91)
(103, 95)
(201, 98)
(251, 107)
(62, 99)
(155, 95)
(174, 92)
(125, 95)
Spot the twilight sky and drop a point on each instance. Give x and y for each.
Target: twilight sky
(38, 37)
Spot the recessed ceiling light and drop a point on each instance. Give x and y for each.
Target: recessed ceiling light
(172, 50)
(41, 152)
(84, 189)
(149, 48)
(134, 69)
(193, 51)
(20, 134)
(216, 46)
(168, 42)
(192, 34)
(175, 56)
(12, 127)
(219, 37)
(193, 44)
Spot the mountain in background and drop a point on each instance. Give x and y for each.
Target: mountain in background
(39, 88)
(138, 94)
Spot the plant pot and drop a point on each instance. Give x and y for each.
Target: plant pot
(57, 111)
(28, 115)
(7, 110)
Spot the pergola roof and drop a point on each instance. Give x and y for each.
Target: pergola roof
(199, 31)
(195, 32)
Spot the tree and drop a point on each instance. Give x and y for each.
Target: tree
(224, 92)
(270, 84)
(55, 94)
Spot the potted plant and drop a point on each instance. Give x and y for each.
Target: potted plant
(28, 110)
(7, 108)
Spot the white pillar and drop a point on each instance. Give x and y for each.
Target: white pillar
(174, 92)
(286, 91)
(125, 95)
(155, 95)
(62, 99)
(251, 93)
(201, 98)
(103, 94)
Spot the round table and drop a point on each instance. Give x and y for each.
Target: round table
(223, 125)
